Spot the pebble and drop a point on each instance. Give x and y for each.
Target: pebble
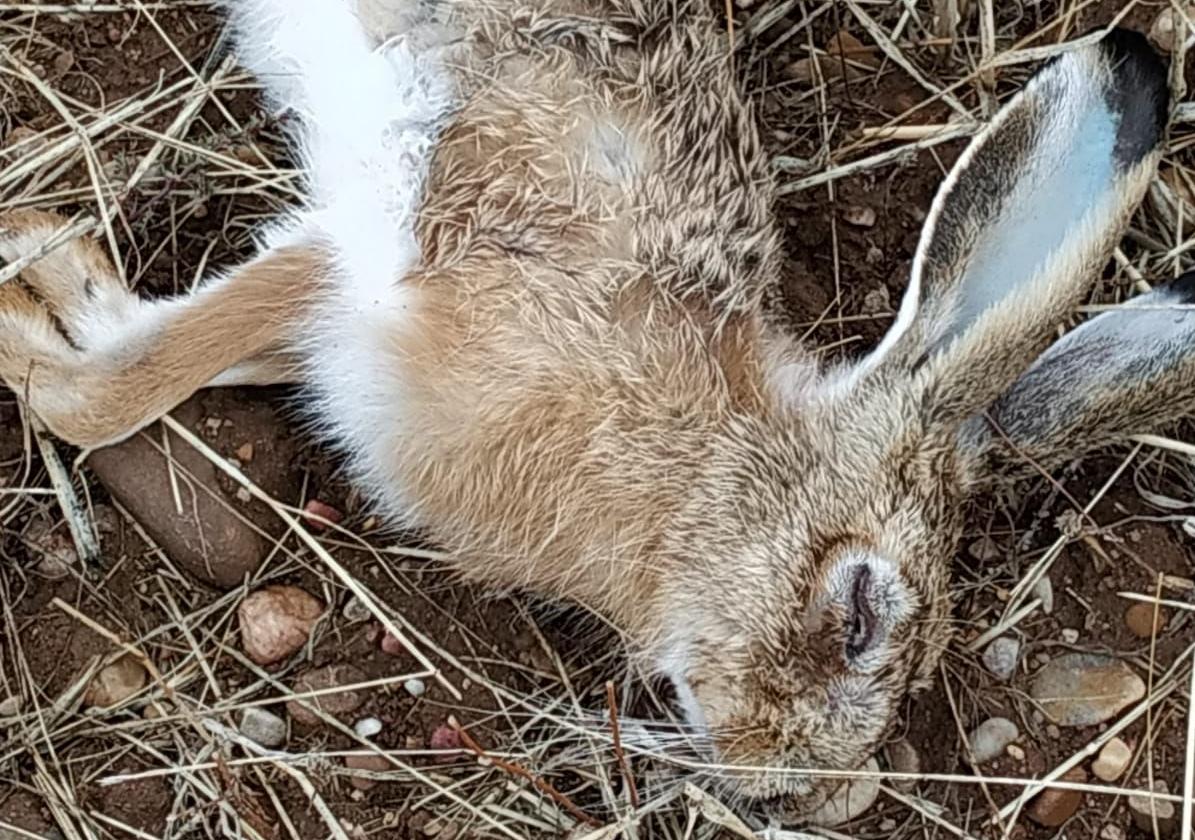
(1001, 657)
(1146, 811)
(391, 645)
(1112, 832)
(1043, 590)
(116, 683)
(1143, 622)
(263, 727)
(851, 800)
(1054, 806)
(55, 550)
(320, 515)
(984, 550)
(356, 611)
(376, 763)
(903, 758)
(1070, 635)
(1165, 29)
(10, 707)
(415, 687)
(860, 216)
(1015, 752)
(337, 704)
(245, 452)
(276, 622)
(1112, 761)
(444, 737)
(990, 738)
(1082, 689)
(367, 727)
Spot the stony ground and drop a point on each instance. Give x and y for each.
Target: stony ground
(138, 697)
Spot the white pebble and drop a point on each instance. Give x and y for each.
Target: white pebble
(10, 707)
(1044, 591)
(1070, 635)
(415, 687)
(989, 739)
(367, 727)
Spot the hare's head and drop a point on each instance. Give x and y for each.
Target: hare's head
(819, 544)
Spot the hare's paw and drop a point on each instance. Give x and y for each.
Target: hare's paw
(66, 299)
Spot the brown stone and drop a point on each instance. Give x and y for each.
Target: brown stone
(1054, 806)
(375, 763)
(204, 535)
(276, 622)
(1142, 620)
(338, 704)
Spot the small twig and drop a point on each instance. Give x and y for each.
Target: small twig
(511, 767)
(624, 765)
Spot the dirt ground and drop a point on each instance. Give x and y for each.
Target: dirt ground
(192, 170)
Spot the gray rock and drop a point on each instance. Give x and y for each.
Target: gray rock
(903, 758)
(989, 739)
(851, 800)
(1082, 689)
(263, 727)
(1001, 657)
(1044, 591)
(1147, 812)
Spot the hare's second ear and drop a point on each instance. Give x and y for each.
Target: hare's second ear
(1026, 219)
(1124, 372)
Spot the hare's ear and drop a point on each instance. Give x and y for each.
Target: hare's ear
(1023, 223)
(1123, 372)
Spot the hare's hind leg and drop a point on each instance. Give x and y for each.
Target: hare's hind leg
(96, 362)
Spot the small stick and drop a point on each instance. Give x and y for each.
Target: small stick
(511, 767)
(623, 764)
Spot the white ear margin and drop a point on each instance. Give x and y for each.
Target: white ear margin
(1023, 193)
(1123, 372)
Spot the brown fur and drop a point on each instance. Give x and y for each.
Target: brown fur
(597, 401)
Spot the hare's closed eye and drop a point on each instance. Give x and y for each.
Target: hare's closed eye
(861, 620)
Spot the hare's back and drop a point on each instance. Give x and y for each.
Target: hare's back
(604, 135)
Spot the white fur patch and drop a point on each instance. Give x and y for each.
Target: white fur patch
(368, 122)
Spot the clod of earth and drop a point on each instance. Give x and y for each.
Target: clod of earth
(338, 704)
(444, 737)
(1112, 761)
(263, 727)
(372, 763)
(1054, 806)
(1082, 689)
(276, 622)
(851, 800)
(1143, 621)
(989, 739)
(116, 683)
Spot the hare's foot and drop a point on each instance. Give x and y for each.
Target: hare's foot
(96, 362)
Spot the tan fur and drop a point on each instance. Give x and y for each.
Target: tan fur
(597, 400)
(91, 396)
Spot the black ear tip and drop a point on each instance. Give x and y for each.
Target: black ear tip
(1183, 286)
(1139, 93)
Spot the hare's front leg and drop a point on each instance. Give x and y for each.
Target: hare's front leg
(96, 362)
